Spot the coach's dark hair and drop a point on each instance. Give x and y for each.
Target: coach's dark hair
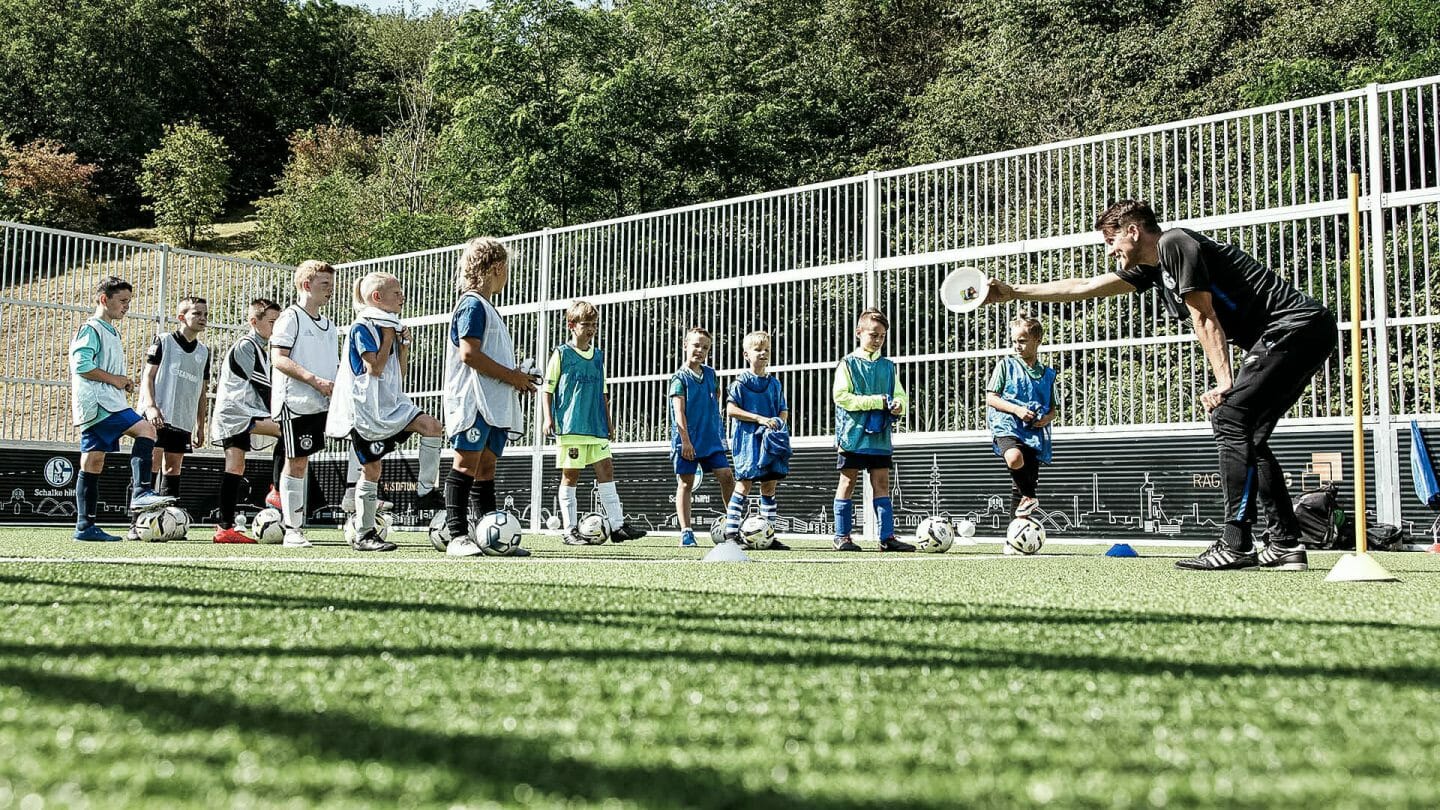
(1032, 324)
(875, 315)
(109, 285)
(1127, 212)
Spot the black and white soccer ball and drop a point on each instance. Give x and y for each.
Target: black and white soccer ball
(158, 525)
(933, 535)
(179, 521)
(382, 526)
(1024, 536)
(439, 532)
(268, 526)
(756, 532)
(594, 528)
(497, 533)
(717, 531)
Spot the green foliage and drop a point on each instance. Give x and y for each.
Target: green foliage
(185, 178)
(43, 184)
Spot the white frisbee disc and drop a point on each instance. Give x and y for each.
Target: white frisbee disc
(964, 289)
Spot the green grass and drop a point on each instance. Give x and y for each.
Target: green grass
(869, 681)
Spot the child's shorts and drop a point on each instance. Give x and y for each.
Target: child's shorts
(173, 440)
(864, 461)
(480, 437)
(579, 452)
(715, 461)
(104, 436)
(368, 451)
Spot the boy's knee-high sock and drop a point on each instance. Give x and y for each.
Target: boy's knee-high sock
(1031, 483)
(770, 510)
(610, 500)
(482, 497)
(87, 499)
(734, 512)
(292, 500)
(367, 497)
(277, 463)
(167, 484)
(429, 465)
(457, 502)
(141, 465)
(885, 516)
(229, 496)
(844, 516)
(569, 505)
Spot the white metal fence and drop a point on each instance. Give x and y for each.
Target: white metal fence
(802, 262)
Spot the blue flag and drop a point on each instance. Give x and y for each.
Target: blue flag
(1426, 488)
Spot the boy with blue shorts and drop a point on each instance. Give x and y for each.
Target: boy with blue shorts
(482, 391)
(695, 438)
(1020, 405)
(758, 413)
(868, 399)
(98, 385)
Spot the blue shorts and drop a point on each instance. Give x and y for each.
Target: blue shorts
(104, 436)
(481, 437)
(715, 461)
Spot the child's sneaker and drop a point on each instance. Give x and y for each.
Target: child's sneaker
(95, 534)
(732, 537)
(687, 539)
(776, 545)
(892, 543)
(272, 499)
(294, 538)
(463, 547)
(573, 538)
(1026, 506)
(231, 536)
(842, 542)
(370, 541)
(132, 533)
(627, 532)
(148, 500)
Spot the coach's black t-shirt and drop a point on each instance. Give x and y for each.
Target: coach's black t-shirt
(1249, 300)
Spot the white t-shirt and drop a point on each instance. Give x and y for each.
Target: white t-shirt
(313, 344)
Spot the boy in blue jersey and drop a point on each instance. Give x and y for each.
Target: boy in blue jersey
(1020, 405)
(98, 385)
(868, 399)
(577, 411)
(695, 438)
(756, 407)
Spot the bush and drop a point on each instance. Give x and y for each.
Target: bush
(185, 179)
(42, 184)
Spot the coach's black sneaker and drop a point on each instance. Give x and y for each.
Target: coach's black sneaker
(894, 544)
(627, 532)
(1283, 557)
(573, 538)
(1219, 557)
(517, 551)
(844, 543)
(370, 541)
(434, 500)
(776, 545)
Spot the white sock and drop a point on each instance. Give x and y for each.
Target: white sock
(292, 500)
(367, 496)
(429, 464)
(569, 505)
(610, 499)
(770, 510)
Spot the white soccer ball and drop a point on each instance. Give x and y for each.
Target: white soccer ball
(965, 532)
(934, 535)
(178, 521)
(497, 533)
(717, 531)
(756, 532)
(438, 532)
(382, 526)
(1025, 535)
(155, 526)
(269, 526)
(595, 528)
(553, 522)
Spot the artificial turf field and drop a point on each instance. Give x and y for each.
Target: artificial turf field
(188, 674)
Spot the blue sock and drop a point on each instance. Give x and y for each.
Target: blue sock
(885, 515)
(769, 510)
(87, 499)
(140, 463)
(844, 517)
(733, 513)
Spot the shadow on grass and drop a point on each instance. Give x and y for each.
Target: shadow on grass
(483, 766)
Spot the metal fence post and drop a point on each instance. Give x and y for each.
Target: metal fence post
(1386, 454)
(872, 299)
(160, 289)
(542, 354)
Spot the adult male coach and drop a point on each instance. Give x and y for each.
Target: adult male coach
(1227, 296)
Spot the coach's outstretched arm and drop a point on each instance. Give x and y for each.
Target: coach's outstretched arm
(1065, 289)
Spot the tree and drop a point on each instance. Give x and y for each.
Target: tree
(185, 179)
(43, 184)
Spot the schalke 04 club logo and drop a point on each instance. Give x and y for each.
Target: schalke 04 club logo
(58, 471)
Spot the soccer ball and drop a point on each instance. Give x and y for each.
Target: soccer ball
(178, 523)
(965, 532)
(155, 526)
(498, 533)
(756, 532)
(595, 528)
(933, 535)
(269, 526)
(438, 532)
(1025, 535)
(553, 522)
(382, 526)
(717, 531)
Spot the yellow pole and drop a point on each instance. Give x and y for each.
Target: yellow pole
(1356, 360)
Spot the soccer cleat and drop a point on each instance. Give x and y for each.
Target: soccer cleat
(231, 536)
(732, 537)
(370, 541)
(95, 534)
(148, 500)
(1283, 558)
(687, 539)
(1026, 506)
(842, 542)
(463, 547)
(1219, 557)
(627, 532)
(519, 551)
(776, 545)
(573, 538)
(272, 499)
(893, 544)
(432, 500)
(132, 533)
(295, 539)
